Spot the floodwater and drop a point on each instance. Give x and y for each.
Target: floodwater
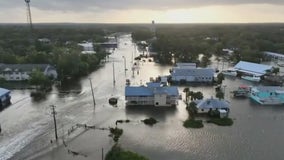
(28, 126)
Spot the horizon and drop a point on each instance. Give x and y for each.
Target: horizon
(144, 11)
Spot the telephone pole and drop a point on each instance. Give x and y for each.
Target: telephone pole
(54, 120)
(92, 92)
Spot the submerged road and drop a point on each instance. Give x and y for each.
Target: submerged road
(28, 125)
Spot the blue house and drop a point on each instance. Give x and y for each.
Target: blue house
(268, 95)
(4, 98)
(154, 94)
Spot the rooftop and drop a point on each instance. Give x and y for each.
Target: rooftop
(212, 103)
(252, 68)
(4, 91)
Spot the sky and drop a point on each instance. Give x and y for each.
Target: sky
(143, 11)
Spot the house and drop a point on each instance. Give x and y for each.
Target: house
(253, 69)
(20, 72)
(4, 98)
(206, 105)
(153, 94)
(268, 95)
(87, 47)
(189, 73)
(111, 43)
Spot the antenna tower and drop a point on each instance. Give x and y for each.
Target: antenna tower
(29, 15)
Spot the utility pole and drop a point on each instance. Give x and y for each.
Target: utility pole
(54, 120)
(113, 73)
(102, 153)
(124, 64)
(92, 92)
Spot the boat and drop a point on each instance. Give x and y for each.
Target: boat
(268, 95)
(242, 91)
(251, 78)
(230, 72)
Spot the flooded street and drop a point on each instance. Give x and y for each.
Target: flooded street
(27, 126)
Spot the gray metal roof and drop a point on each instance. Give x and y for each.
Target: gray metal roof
(193, 72)
(23, 67)
(150, 90)
(211, 103)
(252, 68)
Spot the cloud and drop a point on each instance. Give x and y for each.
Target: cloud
(101, 5)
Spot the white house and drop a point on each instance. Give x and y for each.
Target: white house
(154, 94)
(20, 72)
(206, 105)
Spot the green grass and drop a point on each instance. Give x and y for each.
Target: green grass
(192, 123)
(117, 153)
(221, 121)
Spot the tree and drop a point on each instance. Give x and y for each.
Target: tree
(220, 94)
(186, 91)
(38, 79)
(220, 78)
(275, 70)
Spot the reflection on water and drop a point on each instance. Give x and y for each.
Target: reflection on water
(159, 113)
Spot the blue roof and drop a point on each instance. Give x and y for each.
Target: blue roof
(150, 91)
(138, 91)
(193, 72)
(154, 84)
(4, 91)
(252, 68)
(172, 91)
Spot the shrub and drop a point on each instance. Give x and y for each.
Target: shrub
(192, 123)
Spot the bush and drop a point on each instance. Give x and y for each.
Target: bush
(150, 121)
(221, 121)
(192, 123)
(117, 153)
(115, 133)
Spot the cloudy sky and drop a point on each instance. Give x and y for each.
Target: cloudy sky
(144, 11)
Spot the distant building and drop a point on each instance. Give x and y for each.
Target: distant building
(228, 52)
(88, 48)
(273, 55)
(187, 72)
(154, 94)
(20, 72)
(4, 98)
(111, 43)
(254, 69)
(44, 40)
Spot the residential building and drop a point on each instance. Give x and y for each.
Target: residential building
(4, 98)
(273, 55)
(187, 72)
(21, 72)
(153, 94)
(206, 105)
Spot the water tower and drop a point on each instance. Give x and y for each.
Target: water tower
(29, 15)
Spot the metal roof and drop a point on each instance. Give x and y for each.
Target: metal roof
(4, 91)
(273, 54)
(138, 91)
(252, 68)
(24, 67)
(193, 72)
(150, 91)
(211, 103)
